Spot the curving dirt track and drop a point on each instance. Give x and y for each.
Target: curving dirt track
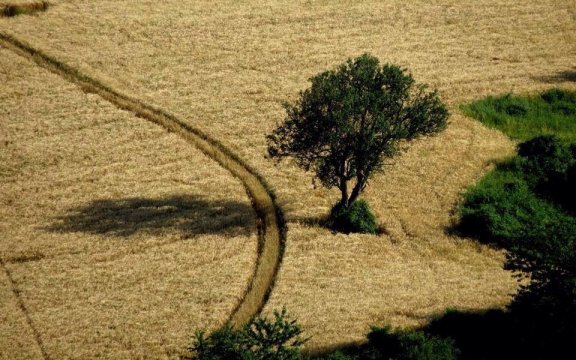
(250, 57)
(270, 218)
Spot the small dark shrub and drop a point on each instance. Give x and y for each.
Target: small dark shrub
(356, 218)
(510, 105)
(260, 339)
(502, 209)
(515, 110)
(222, 344)
(556, 95)
(546, 167)
(568, 109)
(410, 345)
(562, 101)
(546, 157)
(9, 10)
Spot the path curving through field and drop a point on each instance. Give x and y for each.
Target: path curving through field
(271, 225)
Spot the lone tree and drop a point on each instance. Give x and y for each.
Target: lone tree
(351, 119)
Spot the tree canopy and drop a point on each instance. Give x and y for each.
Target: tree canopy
(353, 118)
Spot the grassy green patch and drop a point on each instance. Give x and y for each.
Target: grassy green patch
(524, 117)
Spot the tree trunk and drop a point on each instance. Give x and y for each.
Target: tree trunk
(344, 190)
(360, 184)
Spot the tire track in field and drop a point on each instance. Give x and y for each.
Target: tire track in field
(25, 311)
(271, 223)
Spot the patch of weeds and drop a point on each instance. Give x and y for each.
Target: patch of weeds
(524, 117)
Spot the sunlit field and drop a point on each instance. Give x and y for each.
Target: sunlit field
(119, 238)
(226, 68)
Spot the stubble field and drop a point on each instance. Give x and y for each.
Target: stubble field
(226, 68)
(118, 238)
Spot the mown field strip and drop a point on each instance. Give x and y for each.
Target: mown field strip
(269, 215)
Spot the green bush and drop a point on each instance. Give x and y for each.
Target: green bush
(356, 218)
(502, 209)
(547, 166)
(260, 339)
(556, 95)
(524, 196)
(410, 345)
(546, 157)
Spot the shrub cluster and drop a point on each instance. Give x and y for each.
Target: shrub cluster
(550, 168)
(356, 218)
(527, 206)
(401, 345)
(280, 339)
(525, 197)
(260, 339)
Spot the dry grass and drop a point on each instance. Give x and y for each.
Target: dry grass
(340, 285)
(226, 67)
(269, 216)
(120, 238)
(17, 340)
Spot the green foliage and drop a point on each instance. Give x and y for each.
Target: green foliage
(351, 119)
(356, 218)
(549, 167)
(383, 343)
(260, 339)
(524, 197)
(409, 345)
(546, 156)
(522, 118)
(502, 209)
(527, 206)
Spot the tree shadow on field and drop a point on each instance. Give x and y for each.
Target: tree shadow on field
(311, 221)
(562, 76)
(188, 215)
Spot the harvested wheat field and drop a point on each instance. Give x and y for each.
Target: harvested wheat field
(226, 68)
(118, 238)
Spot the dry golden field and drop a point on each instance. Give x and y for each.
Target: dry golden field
(226, 67)
(120, 238)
